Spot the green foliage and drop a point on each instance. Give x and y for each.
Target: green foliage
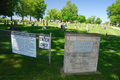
(81, 18)
(98, 21)
(47, 18)
(106, 22)
(39, 9)
(113, 12)
(7, 7)
(21, 9)
(69, 12)
(52, 13)
(59, 15)
(91, 20)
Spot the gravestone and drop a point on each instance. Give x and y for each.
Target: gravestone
(44, 28)
(15, 22)
(52, 27)
(11, 22)
(81, 52)
(29, 22)
(5, 22)
(8, 22)
(43, 22)
(36, 24)
(15, 27)
(87, 28)
(32, 24)
(46, 23)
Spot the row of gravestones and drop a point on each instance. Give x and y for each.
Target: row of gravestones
(25, 22)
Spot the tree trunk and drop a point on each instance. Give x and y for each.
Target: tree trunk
(11, 18)
(22, 18)
(30, 17)
(37, 19)
(50, 19)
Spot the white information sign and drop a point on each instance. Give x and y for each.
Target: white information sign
(44, 42)
(23, 43)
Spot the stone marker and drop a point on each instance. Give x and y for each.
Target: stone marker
(5, 22)
(15, 27)
(15, 22)
(43, 22)
(44, 28)
(8, 22)
(46, 23)
(81, 52)
(87, 28)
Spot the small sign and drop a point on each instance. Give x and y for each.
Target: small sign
(44, 42)
(83, 46)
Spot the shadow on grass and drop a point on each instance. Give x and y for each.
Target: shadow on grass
(15, 66)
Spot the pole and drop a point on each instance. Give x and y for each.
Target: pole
(50, 50)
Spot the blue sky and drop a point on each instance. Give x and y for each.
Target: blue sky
(85, 7)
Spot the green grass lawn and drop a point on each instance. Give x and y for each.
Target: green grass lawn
(18, 67)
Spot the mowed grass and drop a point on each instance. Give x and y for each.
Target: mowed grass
(19, 67)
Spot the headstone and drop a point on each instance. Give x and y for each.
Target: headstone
(107, 37)
(81, 52)
(43, 22)
(8, 22)
(60, 23)
(15, 27)
(104, 27)
(79, 25)
(5, 22)
(36, 24)
(43, 28)
(46, 23)
(29, 22)
(11, 22)
(87, 28)
(15, 22)
(52, 27)
(33, 24)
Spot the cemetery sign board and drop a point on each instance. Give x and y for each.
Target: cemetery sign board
(83, 46)
(44, 42)
(23, 43)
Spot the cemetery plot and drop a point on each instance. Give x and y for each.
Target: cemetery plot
(23, 43)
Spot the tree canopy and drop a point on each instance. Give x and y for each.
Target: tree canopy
(81, 18)
(69, 12)
(113, 12)
(98, 21)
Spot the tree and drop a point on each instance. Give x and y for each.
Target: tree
(52, 13)
(98, 21)
(7, 7)
(21, 9)
(113, 12)
(91, 20)
(39, 9)
(59, 15)
(69, 12)
(81, 18)
(30, 7)
(47, 18)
